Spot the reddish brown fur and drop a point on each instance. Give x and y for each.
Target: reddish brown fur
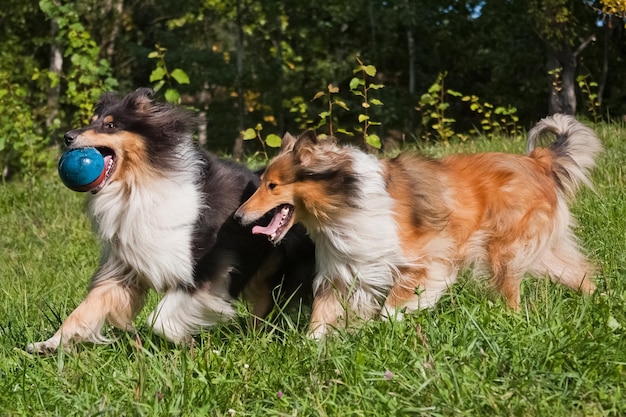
(511, 198)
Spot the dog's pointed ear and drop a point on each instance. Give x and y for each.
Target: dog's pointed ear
(287, 143)
(141, 99)
(304, 148)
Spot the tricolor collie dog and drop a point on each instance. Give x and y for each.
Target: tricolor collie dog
(164, 215)
(391, 235)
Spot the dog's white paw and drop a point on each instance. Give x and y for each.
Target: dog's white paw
(318, 331)
(43, 348)
(392, 314)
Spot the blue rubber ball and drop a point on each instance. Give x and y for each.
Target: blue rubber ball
(82, 169)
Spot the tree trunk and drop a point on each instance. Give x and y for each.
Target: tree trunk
(114, 10)
(203, 99)
(561, 63)
(608, 30)
(278, 44)
(373, 26)
(238, 146)
(411, 52)
(56, 66)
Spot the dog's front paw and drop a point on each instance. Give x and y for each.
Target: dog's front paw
(389, 313)
(318, 331)
(41, 348)
(44, 348)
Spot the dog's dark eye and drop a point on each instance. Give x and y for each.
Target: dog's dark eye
(109, 125)
(271, 185)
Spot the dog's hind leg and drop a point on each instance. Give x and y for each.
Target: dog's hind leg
(508, 283)
(108, 300)
(566, 265)
(507, 262)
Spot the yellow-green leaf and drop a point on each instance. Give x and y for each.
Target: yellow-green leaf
(341, 104)
(180, 76)
(172, 96)
(370, 70)
(373, 140)
(345, 132)
(248, 134)
(273, 141)
(157, 74)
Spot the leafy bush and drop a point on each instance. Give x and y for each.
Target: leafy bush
(27, 121)
(22, 149)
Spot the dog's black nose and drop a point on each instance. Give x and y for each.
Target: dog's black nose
(70, 137)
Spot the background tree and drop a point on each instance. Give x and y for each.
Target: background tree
(258, 63)
(566, 28)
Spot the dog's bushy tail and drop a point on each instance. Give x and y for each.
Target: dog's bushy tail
(573, 153)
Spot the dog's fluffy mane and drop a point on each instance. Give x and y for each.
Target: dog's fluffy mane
(363, 204)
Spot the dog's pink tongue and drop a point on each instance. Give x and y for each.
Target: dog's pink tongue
(271, 228)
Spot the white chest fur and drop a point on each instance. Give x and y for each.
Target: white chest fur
(360, 247)
(148, 229)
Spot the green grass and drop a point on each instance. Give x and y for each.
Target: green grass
(563, 355)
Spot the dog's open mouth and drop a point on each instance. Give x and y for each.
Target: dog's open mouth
(109, 167)
(279, 225)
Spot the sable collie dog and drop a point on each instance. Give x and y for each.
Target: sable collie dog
(391, 235)
(164, 215)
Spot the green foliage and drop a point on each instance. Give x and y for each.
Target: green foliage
(493, 120)
(589, 90)
(433, 105)
(614, 8)
(272, 140)
(275, 57)
(163, 77)
(360, 87)
(326, 116)
(436, 125)
(24, 145)
(299, 110)
(22, 148)
(86, 76)
(556, 21)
